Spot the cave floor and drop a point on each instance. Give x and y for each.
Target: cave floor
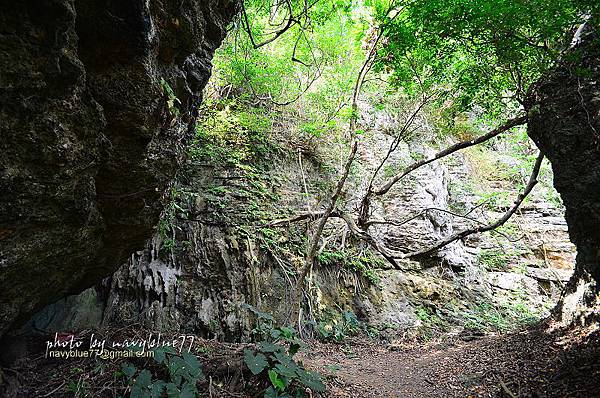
(530, 363)
(526, 364)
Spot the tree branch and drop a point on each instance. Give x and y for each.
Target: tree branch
(309, 215)
(488, 227)
(291, 21)
(314, 240)
(355, 229)
(365, 204)
(450, 150)
(427, 210)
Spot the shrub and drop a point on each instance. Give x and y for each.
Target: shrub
(184, 372)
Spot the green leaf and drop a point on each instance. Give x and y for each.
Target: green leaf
(186, 367)
(275, 333)
(141, 387)
(193, 365)
(259, 314)
(288, 333)
(271, 393)
(285, 359)
(311, 380)
(294, 348)
(128, 369)
(266, 346)
(175, 369)
(172, 390)
(256, 363)
(289, 372)
(300, 393)
(159, 355)
(188, 391)
(157, 389)
(276, 380)
(144, 378)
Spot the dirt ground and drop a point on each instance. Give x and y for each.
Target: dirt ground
(528, 364)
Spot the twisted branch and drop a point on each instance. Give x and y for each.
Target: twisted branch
(488, 227)
(450, 150)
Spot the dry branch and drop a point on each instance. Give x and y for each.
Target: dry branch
(421, 213)
(352, 226)
(356, 231)
(365, 204)
(315, 238)
(314, 241)
(450, 150)
(290, 22)
(314, 244)
(488, 227)
(429, 209)
(309, 215)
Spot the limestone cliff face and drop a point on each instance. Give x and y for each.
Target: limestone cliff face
(197, 274)
(97, 99)
(564, 121)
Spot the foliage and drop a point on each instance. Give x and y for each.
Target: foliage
(173, 102)
(494, 259)
(184, 372)
(232, 133)
(303, 80)
(503, 317)
(175, 207)
(481, 314)
(273, 359)
(264, 324)
(476, 57)
(337, 326)
(477, 52)
(280, 71)
(271, 238)
(431, 322)
(234, 138)
(365, 265)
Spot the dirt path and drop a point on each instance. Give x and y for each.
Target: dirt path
(531, 364)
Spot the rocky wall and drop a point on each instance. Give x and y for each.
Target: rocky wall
(97, 100)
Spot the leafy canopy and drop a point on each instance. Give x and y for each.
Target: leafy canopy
(482, 53)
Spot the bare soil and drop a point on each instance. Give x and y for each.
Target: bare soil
(527, 364)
